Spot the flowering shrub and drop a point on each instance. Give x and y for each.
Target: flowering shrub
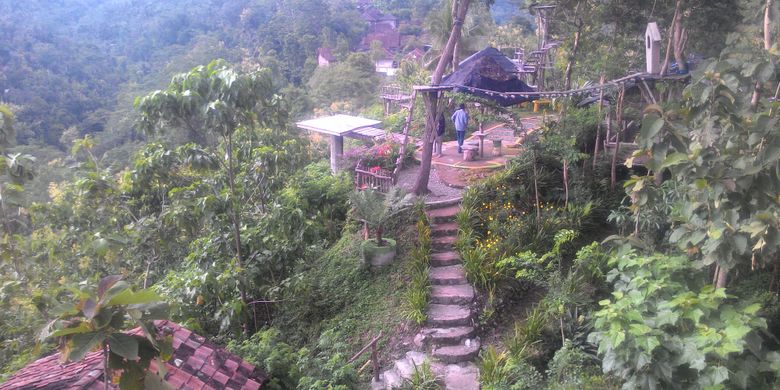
(381, 156)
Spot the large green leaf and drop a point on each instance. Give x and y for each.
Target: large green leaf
(82, 327)
(107, 283)
(113, 291)
(650, 127)
(123, 345)
(90, 308)
(128, 297)
(80, 344)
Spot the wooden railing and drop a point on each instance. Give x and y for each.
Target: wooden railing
(374, 356)
(374, 178)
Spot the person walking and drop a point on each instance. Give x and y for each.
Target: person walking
(461, 120)
(439, 137)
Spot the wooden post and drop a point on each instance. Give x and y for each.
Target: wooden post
(400, 162)
(375, 361)
(598, 126)
(336, 151)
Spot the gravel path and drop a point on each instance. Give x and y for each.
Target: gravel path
(438, 190)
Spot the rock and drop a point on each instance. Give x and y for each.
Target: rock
(461, 377)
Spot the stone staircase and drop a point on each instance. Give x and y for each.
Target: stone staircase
(448, 340)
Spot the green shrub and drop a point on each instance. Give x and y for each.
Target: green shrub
(528, 332)
(571, 367)
(665, 326)
(500, 371)
(423, 378)
(416, 295)
(325, 366)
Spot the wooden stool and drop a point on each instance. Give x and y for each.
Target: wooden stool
(497, 147)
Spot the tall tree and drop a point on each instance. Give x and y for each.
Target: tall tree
(213, 100)
(431, 98)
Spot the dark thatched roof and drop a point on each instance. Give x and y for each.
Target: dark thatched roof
(488, 70)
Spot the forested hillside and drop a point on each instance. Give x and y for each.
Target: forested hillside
(151, 167)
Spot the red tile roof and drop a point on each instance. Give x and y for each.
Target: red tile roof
(196, 364)
(390, 38)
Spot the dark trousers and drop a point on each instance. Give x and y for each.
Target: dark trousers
(461, 136)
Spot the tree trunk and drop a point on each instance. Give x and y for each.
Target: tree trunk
(598, 125)
(680, 36)
(431, 99)
(619, 120)
(767, 46)
(768, 25)
(236, 219)
(456, 49)
(536, 193)
(566, 182)
(670, 41)
(408, 123)
(379, 240)
(106, 370)
(574, 49)
(722, 277)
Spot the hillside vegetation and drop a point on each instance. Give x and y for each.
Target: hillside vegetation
(156, 140)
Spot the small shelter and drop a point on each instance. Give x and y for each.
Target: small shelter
(196, 363)
(653, 48)
(486, 72)
(337, 127)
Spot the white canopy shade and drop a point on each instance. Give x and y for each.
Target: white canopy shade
(337, 126)
(340, 125)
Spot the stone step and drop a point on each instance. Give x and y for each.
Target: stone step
(391, 379)
(405, 367)
(461, 377)
(444, 214)
(444, 229)
(441, 259)
(453, 294)
(447, 336)
(448, 276)
(445, 242)
(452, 354)
(448, 315)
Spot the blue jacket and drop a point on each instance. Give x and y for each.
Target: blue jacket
(461, 120)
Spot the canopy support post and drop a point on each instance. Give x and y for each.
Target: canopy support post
(336, 151)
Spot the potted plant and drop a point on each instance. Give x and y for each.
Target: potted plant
(374, 209)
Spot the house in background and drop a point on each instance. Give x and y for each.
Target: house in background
(325, 57)
(376, 18)
(196, 364)
(415, 55)
(389, 37)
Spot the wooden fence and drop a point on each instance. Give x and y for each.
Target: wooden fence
(374, 178)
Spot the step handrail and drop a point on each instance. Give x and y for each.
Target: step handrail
(374, 357)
